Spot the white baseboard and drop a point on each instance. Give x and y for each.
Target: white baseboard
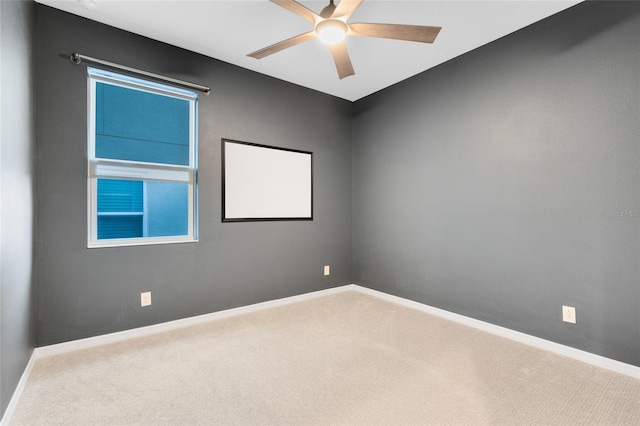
(577, 354)
(597, 360)
(11, 408)
(104, 339)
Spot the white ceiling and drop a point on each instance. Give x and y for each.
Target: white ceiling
(229, 29)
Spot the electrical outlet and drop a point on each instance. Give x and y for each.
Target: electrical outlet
(327, 270)
(145, 298)
(569, 314)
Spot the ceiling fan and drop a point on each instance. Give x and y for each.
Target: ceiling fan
(331, 27)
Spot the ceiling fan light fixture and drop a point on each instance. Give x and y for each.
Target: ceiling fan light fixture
(331, 31)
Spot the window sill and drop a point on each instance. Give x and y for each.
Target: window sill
(138, 242)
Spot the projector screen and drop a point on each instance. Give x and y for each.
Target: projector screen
(262, 183)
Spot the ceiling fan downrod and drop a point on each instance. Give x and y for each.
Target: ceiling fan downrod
(328, 10)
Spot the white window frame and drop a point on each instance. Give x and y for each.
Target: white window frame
(137, 170)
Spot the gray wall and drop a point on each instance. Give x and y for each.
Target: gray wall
(505, 183)
(85, 292)
(17, 141)
(499, 185)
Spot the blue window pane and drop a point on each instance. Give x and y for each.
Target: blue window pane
(120, 209)
(167, 209)
(134, 209)
(140, 126)
(120, 196)
(124, 226)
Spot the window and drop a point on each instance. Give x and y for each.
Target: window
(142, 162)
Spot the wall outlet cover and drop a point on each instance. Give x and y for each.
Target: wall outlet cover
(327, 270)
(569, 314)
(145, 298)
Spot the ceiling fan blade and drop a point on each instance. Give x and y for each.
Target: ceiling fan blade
(346, 8)
(275, 48)
(395, 31)
(298, 9)
(342, 60)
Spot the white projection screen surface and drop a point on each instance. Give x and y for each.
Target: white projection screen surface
(262, 183)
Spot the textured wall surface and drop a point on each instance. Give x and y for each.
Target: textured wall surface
(85, 292)
(17, 142)
(506, 182)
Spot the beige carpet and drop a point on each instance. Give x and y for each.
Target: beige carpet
(343, 359)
